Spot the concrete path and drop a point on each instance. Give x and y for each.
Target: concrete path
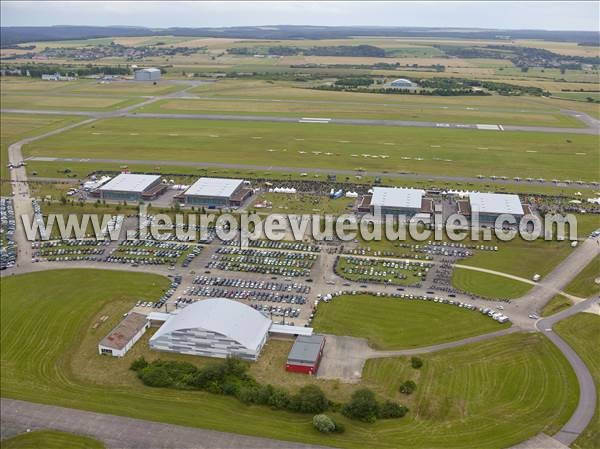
(118, 432)
(587, 389)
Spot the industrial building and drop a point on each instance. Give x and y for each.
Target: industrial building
(149, 74)
(305, 355)
(122, 338)
(215, 327)
(216, 192)
(132, 187)
(489, 206)
(391, 200)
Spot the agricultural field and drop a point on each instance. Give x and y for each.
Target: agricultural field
(390, 323)
(582, 333)
(51, 439)
(431, 151)
(46, 369)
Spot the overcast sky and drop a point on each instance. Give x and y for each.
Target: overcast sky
(509, 15)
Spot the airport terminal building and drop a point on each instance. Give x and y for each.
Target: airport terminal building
(216, 192)
(215, 327)
(491, 205)
(132, 187)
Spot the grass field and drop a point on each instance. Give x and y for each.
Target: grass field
(65, 102)
(395, 324)
(520, 257)
(579, 96)
(587, 282)
(188, 173)
(555, 305)
(51, 439)
(582, 332)
(499, 392)
(14, 127)
(434, 151)
(304, 203)
(410, 110)
(488, 285)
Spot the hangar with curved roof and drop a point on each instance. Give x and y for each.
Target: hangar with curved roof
(215, 327)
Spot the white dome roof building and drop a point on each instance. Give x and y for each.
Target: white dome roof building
(214, 327)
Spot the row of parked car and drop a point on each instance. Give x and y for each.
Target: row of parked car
(281, 245)
(169, 293)
(191, 256)
(260, 269)
(256, 295)
(8, 248)
(497, 316)
(252, 283)
(277, 310)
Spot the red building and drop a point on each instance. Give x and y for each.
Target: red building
(306, 354)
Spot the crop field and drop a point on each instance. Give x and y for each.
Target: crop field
(51, 439)
(587, 282)
(14, 127)
(390, 323)
(582, 333)
(488, 285)
(522, 385)
(65, 102)
(356, 110)
(433, 151)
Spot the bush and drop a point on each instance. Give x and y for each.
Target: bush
(391, 409)
(323, 423)
(362, 406)
(310, 399)
(408, 387)
(138, 364)
(280, 399)
(155, 376)
(416, 362)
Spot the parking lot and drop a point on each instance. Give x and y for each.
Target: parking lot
(8, 247)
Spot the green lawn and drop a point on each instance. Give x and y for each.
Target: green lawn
(472, 385)
(355, 109)
(585, 285)
(51, 439)
(520, 257)
(555, 305)
(582, 332)
(488, 285)
(435, 151)
(14, 127)
(484, 396)
(391, 323)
